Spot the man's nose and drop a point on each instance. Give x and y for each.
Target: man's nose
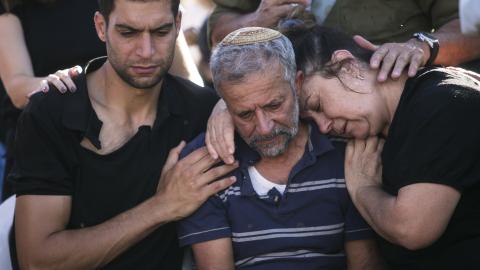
(145, 48)
(264, 123)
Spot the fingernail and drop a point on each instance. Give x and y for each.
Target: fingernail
(230, 150)
(74, 89)
(233, 179)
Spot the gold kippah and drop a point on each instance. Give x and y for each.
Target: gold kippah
(250, 35)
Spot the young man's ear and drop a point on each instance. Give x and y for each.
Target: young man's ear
(178, 21)
(100, 26)
(299, 78)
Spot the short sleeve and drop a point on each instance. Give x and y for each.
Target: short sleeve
(440, 11)
(41, 156)
(209, 222)
(2, 9)
(443, 141)
(355, 226)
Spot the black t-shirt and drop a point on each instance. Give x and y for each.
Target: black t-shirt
(58, 35)
(435, 138)
(52, 162)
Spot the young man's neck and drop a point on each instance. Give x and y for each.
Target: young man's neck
(128, 104)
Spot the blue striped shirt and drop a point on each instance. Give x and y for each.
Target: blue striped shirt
(305, 228)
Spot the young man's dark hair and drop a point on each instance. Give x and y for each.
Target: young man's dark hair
(106, 6)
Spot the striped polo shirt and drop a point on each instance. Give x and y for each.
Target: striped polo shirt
(305, 228)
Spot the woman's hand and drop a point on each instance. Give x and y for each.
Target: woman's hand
(62, 80)
(220, 132)
(363, 163)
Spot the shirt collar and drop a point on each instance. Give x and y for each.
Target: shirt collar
(80, 116)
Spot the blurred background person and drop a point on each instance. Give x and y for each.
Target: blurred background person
(412, 33)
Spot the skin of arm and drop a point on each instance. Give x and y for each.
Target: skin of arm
(363, 255)
(214, 255)
(455, 47)
(15, 65)
(43, 242)
(267, 14)
(415, 218)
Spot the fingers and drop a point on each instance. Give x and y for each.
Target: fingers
(210, 148)
(415, 64)
(54, 80)
(387, 63)
(220, 134)
(381, 143)
(378, 56)
(401, 62)
(218, 186)
(225, 140)
(217, 172)
(371, 144)
(62, 79)
(203, 163)
(364, 43)
(64, 75)
(349, 151)
(173, 156)
(74, 71)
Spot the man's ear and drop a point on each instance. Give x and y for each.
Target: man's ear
(299, 78)
(178, 21)
(100, 26)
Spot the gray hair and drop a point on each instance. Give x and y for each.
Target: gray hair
(232, 63)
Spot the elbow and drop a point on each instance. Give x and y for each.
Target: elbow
(413, 237)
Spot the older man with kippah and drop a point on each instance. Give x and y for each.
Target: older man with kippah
(289, 208)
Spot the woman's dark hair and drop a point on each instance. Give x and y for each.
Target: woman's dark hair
(106, 6)
(314, 45)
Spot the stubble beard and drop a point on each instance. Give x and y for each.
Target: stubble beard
(285, 133)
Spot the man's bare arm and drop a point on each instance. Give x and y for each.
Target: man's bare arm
(268, 13)
(214, 255)
(43, 242)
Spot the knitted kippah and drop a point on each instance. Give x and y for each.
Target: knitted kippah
(250, 35)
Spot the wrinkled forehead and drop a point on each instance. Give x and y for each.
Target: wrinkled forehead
(141, 14)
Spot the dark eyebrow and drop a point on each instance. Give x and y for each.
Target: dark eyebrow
(121, 26)
(126, 27)
(163, 27)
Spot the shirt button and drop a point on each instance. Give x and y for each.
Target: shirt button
(185, 122)
(276, 198)
(82, 225)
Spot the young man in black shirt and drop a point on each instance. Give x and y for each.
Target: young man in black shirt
(96, 185)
